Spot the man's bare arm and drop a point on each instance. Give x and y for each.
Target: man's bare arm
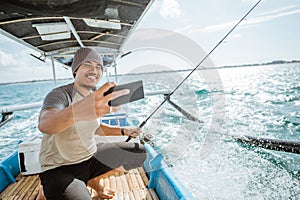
(106, 130)
(52, 121)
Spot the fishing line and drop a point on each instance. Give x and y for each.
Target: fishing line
(213, 49)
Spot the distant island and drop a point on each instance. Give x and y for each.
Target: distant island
(33, 81)
(274, 62)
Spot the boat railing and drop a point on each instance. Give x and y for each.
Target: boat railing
(8, 109)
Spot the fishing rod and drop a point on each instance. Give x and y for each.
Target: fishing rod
(207, 55)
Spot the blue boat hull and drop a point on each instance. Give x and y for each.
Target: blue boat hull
(9, 169)
(162, 178)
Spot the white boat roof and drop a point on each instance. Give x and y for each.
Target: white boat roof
(58, 28)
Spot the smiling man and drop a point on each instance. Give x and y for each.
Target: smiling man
(69, 119)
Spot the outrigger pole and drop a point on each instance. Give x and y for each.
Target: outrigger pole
(267, 143)
(213, 49)
(184, 112)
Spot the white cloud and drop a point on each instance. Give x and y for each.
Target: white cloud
(235, 36)
(20, 66)
(170, 9)
(268, 16)
(184, 29)
(279, 10)
(217, 27)
(6, 59)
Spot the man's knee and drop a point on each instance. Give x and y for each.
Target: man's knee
(77, 190)
(119, 154)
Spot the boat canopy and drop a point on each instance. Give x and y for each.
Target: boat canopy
(58, 28)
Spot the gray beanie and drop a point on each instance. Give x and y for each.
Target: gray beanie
(85, 54)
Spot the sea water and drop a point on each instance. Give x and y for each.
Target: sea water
(259, 101)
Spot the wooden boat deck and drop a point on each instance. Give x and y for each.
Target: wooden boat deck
(128, 186)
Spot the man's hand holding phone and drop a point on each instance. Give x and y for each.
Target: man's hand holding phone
(110, 96)
(136, 92)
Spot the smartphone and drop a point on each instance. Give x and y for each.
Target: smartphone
(136, 93)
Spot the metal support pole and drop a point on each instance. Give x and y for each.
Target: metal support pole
(106, 73)
(53, 71)
(115, 66)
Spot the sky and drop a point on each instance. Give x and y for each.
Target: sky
(270, 32)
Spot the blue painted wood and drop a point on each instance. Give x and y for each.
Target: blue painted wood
(162, 178)
(9, 169)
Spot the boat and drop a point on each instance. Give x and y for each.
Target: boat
(56, 30)
(155, 180)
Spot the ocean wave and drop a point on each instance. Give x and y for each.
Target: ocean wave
(204, 91)
(283, 99)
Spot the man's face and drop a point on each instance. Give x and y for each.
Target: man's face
(88, 74)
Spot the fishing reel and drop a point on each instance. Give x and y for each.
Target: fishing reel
(147, 139)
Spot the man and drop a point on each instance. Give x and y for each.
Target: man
(69, 119)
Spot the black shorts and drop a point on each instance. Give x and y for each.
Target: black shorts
(108, 156)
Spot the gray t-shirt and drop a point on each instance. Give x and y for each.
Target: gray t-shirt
(73, 145)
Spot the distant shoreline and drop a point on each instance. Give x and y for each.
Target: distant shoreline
(33, 81)
(275, 62)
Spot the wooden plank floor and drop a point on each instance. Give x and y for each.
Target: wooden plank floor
(26, 187)
(128, 186)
